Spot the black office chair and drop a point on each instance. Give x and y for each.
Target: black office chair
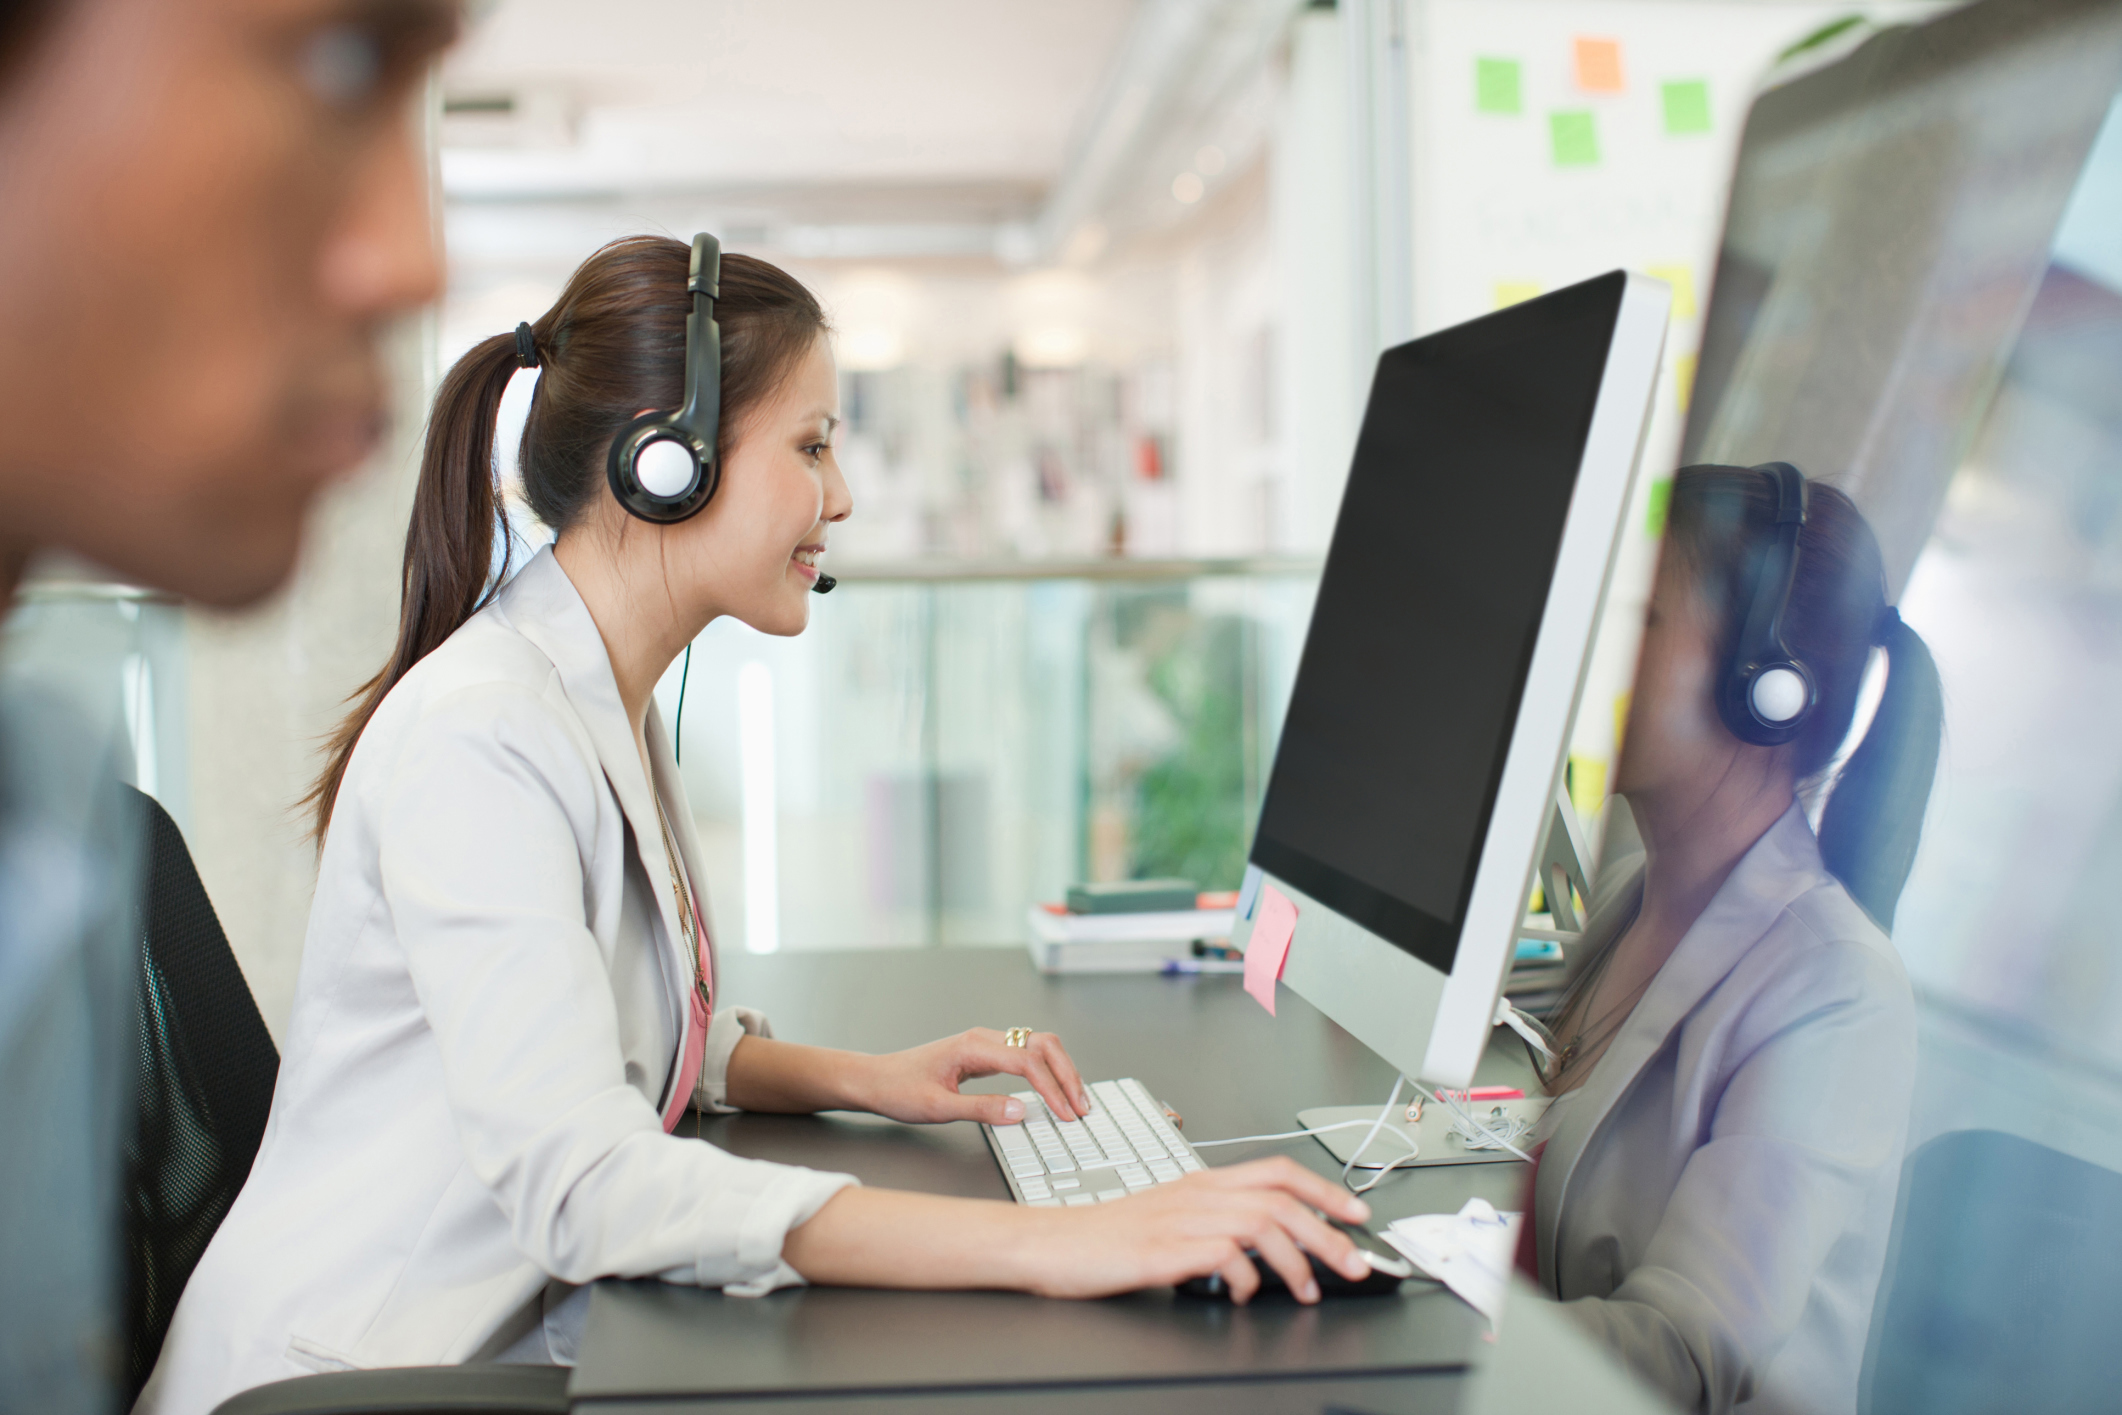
(205, 1082)
(2003, 1286)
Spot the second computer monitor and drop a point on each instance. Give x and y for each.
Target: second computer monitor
(1426, 731)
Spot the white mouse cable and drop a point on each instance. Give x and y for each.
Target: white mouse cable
(1413, 1149)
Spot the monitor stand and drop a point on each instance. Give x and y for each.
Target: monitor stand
(1435, 1133)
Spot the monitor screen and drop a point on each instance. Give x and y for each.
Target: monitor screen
(1409, 686)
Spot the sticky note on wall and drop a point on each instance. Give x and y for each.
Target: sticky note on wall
(1514, 292)
(1686, 107)
(1496, 87)
(1574, 139)
(1598, 65)
(1661, 500)
(1683, 380)
(1587, 784)
(1682, 280)
(1268, 948)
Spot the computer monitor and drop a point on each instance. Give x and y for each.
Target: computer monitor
(1426, 731)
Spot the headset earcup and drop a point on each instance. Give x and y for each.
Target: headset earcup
(1779, 696)
(635, 483)
(665, 468)
(1769, 705)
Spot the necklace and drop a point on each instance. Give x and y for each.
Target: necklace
(688, 920)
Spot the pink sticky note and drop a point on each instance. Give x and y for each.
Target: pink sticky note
(1269, 949)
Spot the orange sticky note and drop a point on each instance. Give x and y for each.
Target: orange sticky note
(1269, 949)
(1599, 65)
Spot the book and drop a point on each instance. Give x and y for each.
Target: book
(1175, 940)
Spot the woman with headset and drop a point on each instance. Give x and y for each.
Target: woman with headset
(1735, 1052)
(507, 995)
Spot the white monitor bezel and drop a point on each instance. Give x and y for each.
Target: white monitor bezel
(1434, 1026)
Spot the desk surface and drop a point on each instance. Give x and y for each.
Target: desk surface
(1199, 1043)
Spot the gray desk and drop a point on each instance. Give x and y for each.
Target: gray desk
(1201, 1046)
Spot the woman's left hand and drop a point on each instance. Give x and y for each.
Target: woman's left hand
(921, 1084)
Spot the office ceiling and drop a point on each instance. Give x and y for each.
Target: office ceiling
(968, 100)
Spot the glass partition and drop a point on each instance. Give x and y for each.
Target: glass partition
(943, 749)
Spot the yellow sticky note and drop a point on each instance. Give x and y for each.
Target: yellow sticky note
(1682, 279)
(1620, 722)
(1513, 292)
(1683, 379)
(1587, 784)
(1598, 65)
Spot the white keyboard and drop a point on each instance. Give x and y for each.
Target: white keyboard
(1125, 1144)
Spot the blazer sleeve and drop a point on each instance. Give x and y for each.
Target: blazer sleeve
(485, 824)
(1811, 1121)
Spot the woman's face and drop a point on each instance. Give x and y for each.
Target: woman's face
(754, 550)
(1674, 734)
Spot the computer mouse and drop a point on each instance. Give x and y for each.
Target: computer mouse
(1385, 1276)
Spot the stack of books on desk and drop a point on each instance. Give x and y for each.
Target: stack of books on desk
(1145, 926)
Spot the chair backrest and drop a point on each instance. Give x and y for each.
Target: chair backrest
(206, 1068)
(2005, 1285)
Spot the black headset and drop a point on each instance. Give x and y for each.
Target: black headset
(663, 467)
(1767, 693)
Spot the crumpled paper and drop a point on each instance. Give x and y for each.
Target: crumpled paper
(1470, 1252)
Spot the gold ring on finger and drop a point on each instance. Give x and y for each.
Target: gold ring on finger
(1017, 1037)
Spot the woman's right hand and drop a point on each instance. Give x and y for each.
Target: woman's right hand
(1201, 1224)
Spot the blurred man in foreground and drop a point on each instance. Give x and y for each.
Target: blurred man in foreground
(208, 210)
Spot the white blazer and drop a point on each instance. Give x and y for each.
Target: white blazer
(485, 1028)
(1715, 1198)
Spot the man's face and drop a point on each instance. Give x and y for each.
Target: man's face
(208, 210)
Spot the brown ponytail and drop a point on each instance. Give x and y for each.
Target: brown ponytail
(613, 344)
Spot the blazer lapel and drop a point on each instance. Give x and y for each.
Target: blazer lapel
(542, 604)
(1783, 864)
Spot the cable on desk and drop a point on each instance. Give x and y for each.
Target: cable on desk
(1474, 1126)
(1413, 1149)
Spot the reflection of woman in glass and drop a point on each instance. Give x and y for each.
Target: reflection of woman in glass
(1737, 1045)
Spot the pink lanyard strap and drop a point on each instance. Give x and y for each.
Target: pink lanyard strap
(692, 1049)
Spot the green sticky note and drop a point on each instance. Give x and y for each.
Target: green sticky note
(1574, 138)
(1661, 498)
(1687, 107)
(1496, 86)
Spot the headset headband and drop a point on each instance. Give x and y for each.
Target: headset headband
(664, 467)
(702, 413)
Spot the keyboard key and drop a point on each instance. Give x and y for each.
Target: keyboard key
(1123, 1139)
